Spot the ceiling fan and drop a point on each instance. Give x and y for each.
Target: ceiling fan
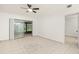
(29, 9)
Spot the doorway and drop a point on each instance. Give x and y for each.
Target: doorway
(28, 28)
(71, 29)
(19, 28)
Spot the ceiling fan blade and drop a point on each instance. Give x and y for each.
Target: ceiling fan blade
(34, 11)
(29, 5)
(35, 8)
(23, 8)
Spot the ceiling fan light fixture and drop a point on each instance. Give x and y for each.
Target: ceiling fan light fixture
(30, 10)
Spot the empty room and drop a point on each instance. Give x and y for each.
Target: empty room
(39, 28)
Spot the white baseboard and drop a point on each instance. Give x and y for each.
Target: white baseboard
(45, 37)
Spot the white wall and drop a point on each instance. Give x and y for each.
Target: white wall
(50, 23)
(51, 26)
(4, 23)
(71, 24)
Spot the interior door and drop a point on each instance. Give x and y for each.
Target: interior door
(72, 25)
(72, 29)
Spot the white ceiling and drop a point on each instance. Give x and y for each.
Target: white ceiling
(15, 8)
(12, 8)
(44, 8)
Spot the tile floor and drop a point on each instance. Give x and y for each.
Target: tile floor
(36, 45)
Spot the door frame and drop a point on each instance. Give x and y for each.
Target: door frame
(13, 26)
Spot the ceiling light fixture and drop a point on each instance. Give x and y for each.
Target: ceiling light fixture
(30, 10)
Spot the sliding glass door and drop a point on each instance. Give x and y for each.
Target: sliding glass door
(19, 29)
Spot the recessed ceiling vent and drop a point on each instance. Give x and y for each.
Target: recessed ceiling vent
(70, 5)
